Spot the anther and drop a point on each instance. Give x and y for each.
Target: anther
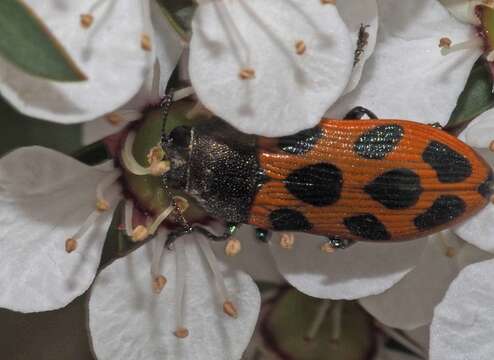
(491, 146)
(86, 20)
(233, 247)
(181, 333)
(230, 309)
(182, 203)
(287, 240)
(328, 2)
(159, 168)
(114, 118)
(450, 252)
(247, 74)
(327, 248)
(102, 205)
(140, 233)
(159, 283)
(145, 42)
(445, 42)
(300, 47)
(155, 154)
(70, 245)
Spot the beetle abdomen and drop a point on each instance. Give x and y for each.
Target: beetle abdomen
(369, 180)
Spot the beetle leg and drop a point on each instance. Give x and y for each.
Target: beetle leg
(338, 243)
(174, 235)
(230, 229)
(436, 125)
(358, 113)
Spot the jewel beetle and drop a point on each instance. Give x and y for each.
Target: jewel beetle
(349, 180)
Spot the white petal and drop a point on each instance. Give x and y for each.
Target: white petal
(422, 288)
(109, 53)
(255, 257)
(355, 14)
(44, 199)
(407, 77)
(363, 269)
(128, 321)
(464, 320)
(463, 10)
(479, 229)
(480, 132)
(289, 92)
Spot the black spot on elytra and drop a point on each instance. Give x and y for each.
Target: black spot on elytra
(300, 142)
(378, 142)
(395, 189)
(445, 209)
(485, 188)
(289, 220)
(367, 226)
(318, 184)
(449, 165)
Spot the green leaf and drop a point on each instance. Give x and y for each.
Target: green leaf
(20, 130)
(476, 98)
(26, 42)
(92, 154)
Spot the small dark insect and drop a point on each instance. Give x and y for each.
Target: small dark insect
(363, 40)
(349, 180)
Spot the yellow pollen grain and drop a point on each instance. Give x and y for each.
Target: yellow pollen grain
(70, 245)
(233, 247)
(145, 42)
(102, 205)
(445, 43)
(300, 47)
(287, 240)
(328, 2)
(86, 20)
(247, 74)
(230, 309)
(140, 233)
(114, 118)
(327, 248)
(159, 283)
(181, 333)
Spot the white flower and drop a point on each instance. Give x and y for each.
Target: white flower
(464, 320)
(407, 77)
(274, 67)
(51, 238)
(116, 50)
(410, 303)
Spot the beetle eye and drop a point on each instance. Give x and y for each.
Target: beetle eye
(180, 136)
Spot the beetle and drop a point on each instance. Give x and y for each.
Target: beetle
(349, 180)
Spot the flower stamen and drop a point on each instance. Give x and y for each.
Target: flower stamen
(447, 48)
(318, 320)
(181, 331)
(131, 164)
(228, 306)
(101, 205)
